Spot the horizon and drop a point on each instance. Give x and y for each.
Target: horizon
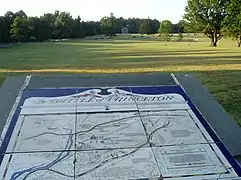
(154, 9)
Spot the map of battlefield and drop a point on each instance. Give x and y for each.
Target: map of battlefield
(111, 135)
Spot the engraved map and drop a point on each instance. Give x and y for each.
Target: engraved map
(111, 133)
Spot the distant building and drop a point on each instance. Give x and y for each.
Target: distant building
(125, 29)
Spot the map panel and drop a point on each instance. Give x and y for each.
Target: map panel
(45, 133)
(38, 166)
(133, 163)
(171, 128)
(110, 130)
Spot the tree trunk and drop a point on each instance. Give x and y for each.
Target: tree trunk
(214, 41)
(239, 41)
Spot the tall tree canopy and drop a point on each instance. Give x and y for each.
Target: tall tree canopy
(19, 31)
(207, 16)
(63, 25)
(165, 30)
(146, 27)
(232, 21)
(108, 25)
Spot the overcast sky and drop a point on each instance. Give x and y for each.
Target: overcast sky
(95, 9)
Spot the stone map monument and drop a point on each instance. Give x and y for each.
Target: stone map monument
(99, 127)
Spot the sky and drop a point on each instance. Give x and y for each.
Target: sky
(96, 9)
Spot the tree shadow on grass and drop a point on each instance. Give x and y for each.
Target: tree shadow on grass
(150, 61)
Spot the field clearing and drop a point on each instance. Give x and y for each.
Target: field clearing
(218, 68)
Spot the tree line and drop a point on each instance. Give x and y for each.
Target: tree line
(214, 18)
(18, 27)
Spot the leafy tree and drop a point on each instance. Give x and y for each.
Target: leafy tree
(4, 32)
(9, 17)
(175, 28)
(232, 21)
(182, 26)
(154, 26)
(35, 29)
(206, 16)
(19, 29)
(134, 24)
(120, 22)
(105, 25)
(77, 28)
(108, 25)
(63, 24)
(146, 27)
(47, 26)
(91, 28)
(21, 14)
(2, 24)
(165, 30)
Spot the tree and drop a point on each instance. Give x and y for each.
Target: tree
(108, 25)
(232, 21)
(21, 14)
(145, 27)
(35, 29)
(182, 26)
(175, 28)
(134, 24)
(63, 24)
(91, 28)
(165, 30)
(9, 17)
(4, 31)
(120, 22)
(154, 26)
(47, 26)
(19, 29)
(206, 16)
(2, 24)
(77, 28)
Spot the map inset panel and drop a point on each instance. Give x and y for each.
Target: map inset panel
(178, 161)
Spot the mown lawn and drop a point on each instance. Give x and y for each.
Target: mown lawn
(218, 68)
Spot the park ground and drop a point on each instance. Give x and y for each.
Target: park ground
(218, 68)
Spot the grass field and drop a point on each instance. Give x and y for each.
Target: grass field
(218, 68)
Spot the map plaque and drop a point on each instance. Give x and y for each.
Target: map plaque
(112, 133)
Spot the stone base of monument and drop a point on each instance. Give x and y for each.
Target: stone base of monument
(120, 126)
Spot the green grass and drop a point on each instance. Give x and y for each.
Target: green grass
(2, 77)
(218, 68)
